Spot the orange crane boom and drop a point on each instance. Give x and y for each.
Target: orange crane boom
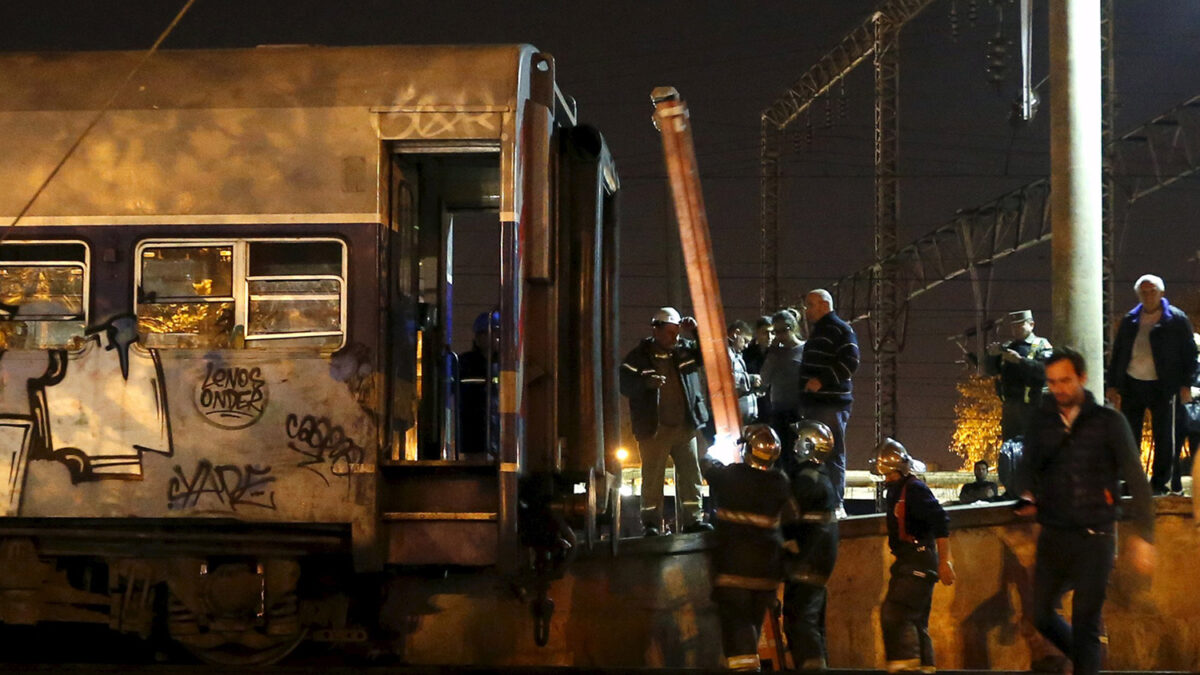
(672, 120)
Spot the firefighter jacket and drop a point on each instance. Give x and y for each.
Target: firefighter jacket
(914, 516)
(1171, 344)
(812, 539)
(640, 364)
(1074, 472)
(752, 504)
(831, 356)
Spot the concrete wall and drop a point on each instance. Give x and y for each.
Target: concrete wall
(651, 605)
(982, 621)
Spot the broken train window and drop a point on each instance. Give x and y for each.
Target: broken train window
(43, 294)
(242, 294)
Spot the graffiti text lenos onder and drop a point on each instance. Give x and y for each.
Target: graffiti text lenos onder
(229, 485)
(231, 397)
(324, 442)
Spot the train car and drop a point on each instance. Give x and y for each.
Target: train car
(234, 289)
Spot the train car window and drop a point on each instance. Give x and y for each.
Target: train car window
(295, 292)
(185, 296)
(252, 294)
(43, 300)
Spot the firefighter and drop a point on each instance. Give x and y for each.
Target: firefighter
(918, 535)
(752, 500)
(812, 542)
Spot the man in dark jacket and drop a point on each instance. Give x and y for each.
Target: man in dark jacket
(830, 359)
(813, 542)
(479, 388)
(919, 538)
(661, 378)
(753, 500)
(1152, 366)
(1076, 455)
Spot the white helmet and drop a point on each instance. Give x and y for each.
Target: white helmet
(666, 315)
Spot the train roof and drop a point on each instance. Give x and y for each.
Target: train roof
(266, 77)
(272, 134)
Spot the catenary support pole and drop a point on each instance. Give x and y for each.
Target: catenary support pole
(1076, 180)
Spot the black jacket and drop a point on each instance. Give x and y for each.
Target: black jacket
(643, 400)
(924, 520)
(1171, 344)
(831, 356)
(813, 538)
(752, 504)
(1074, 474)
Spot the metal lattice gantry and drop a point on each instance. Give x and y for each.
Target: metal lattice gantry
(877, 36)
(1147, 159)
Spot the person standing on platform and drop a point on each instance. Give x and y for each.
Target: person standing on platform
(1077, 453)
(827, 395)
(756, 353)
(1021, 365)
(1151, 368)
(753, 500)
(813, 542)
(919, 537)
(745, 383)
(781, 379)
(661, 379)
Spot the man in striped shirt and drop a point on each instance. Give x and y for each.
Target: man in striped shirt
(827, 395)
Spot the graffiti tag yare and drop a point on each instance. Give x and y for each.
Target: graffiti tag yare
(223, 486)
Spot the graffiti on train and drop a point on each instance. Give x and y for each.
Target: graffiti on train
(323, 445)
(98, 409)
(231, 397)
(221, 486)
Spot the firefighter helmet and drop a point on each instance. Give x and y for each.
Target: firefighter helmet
(762, 445)
(814, 441)
(892, 456)
(666, 315)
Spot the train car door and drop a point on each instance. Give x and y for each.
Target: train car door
(444, 268)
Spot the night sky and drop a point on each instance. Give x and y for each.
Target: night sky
(729, 61)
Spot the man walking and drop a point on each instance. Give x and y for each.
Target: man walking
(830, 359)
(1077, 452)
(661, 378)
(919, 537)
(1152, 366)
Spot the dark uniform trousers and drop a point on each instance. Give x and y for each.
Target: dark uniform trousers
(804, 620)
(741, 613)
(904, 616)
(1138, 396)
(1073, 559)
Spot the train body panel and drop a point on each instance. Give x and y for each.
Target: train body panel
(236, 324)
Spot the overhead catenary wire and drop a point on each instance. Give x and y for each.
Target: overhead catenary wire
(96, 119)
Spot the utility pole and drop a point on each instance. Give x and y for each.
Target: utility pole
(1076, 180)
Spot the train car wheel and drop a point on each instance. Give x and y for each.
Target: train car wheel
(235, 613)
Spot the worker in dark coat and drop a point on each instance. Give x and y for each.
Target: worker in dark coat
(919, 537)
(812, 544)
(479, 389)
(753, 500)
